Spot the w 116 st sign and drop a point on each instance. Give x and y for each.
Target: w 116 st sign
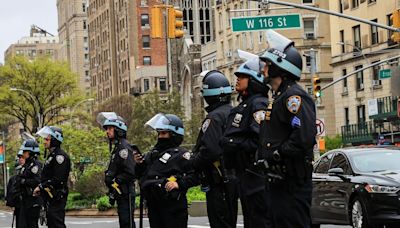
(288, 21)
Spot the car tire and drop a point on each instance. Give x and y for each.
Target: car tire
(358, 214)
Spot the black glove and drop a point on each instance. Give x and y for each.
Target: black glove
(108, 180)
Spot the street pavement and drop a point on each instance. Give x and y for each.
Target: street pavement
(112, 222)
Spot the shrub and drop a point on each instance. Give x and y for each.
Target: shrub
(91, 183)
(103, 203)
(195, 194)
(76, 201)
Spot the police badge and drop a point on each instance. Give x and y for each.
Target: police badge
(205, 125)
(237, 120)
(293, 104)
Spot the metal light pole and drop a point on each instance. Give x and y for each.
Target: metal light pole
(366, 62)
(39, 115)
(79, 103)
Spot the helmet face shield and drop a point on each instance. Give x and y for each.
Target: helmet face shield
(277, 41)
(252, 68)
(46, 131)
(111, 119)
(160, 122)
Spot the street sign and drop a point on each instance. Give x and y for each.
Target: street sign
(385, 73)
(372, 107)
(320, 127)
(287, 21)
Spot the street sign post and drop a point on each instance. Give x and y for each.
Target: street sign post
(287, 21)
(385, 73)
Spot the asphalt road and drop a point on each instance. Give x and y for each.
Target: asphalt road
(112, 222)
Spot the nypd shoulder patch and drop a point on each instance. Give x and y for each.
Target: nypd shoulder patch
(60, 159)
(205, 125)
(259, 116)
(123, 153)
(35, 169)
(186, 155)
(293, 104)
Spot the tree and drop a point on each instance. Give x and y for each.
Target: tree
(145, 107)
(42, 90)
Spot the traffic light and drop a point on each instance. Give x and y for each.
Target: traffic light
(317, 87)
(396, 23)
(175, 23)
(156, 22)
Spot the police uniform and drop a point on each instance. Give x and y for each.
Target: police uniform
(240, 144)
(29, 180)
(121, 170)
(167, 209)
(222, 193)
(287, 141)
(55, 179)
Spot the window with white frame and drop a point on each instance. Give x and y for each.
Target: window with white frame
(360, 78)
(163, 84)
(375, 74)
(374, 33)
(308, 1)
(357, 36)
(309, 28)
(144, 20)
(355, 3)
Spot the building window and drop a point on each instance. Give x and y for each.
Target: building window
(146, 60)
(84, 7)
(371, 1)
(307, 1)
(375, 75)
(361, 114)
(146, 85)
(143, 2)
(357, 36)
(146, 41)
(342, 43)
(144, 19)
(163, 84)
(228, 18)
(346, 116)
(360, 78)
(340, 6)
(390, 33)
(84, 25)
(374, 33)
(344, 72)
(355, 3)
(309, 28)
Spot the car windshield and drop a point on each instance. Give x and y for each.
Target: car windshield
(376, 160)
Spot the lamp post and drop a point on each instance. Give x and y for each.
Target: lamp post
(39, 115)
(366, 62)
(79, 103)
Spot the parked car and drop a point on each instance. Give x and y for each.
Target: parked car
(358, 187)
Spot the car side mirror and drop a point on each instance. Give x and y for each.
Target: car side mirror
(335, 172)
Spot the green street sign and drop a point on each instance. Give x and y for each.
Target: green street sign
(287, 21)
(385, 73)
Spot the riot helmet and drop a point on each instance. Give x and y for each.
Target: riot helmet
(170, 123)
(282, 57)
(30, 145)
(112, 119)
(252, 69)
(55, 133)
(216, 87)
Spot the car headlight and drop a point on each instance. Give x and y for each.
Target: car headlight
(373, 188)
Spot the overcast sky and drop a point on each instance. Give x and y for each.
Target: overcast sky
(17, 16)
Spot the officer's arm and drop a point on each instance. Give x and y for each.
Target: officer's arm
(34, 179)
(189, 177)
(60, 170)
(210, 149)
(128, 166)
(302, 121)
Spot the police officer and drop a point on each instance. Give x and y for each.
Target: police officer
(54, 180)
(29, 180)
(240, 143)
(165, 178)
(288, 135)
(219, 184)
(120, 174)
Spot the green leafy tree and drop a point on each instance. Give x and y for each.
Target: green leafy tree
(192, 129)
(333, 142)
(42, 90)
(145, 107)
(121, 104)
